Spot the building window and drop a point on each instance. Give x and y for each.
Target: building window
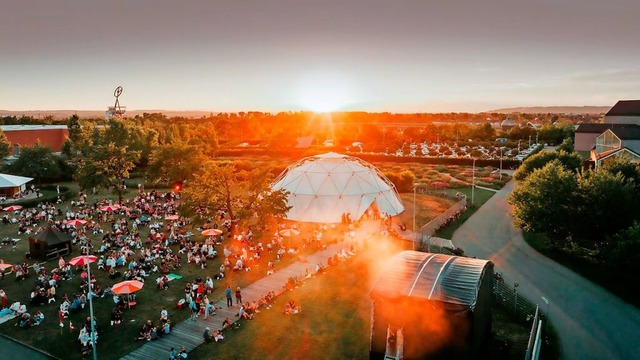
(16, 150)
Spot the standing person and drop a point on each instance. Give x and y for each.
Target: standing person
(238, 296)
(194, 309)
(207, 306)
(227, 293)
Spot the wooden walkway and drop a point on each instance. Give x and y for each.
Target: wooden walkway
(189, 333)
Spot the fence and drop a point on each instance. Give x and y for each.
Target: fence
(430, 228)
(535, 338)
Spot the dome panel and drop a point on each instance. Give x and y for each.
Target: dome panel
(323, 187)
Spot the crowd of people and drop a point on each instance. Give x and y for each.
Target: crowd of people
(114, 232)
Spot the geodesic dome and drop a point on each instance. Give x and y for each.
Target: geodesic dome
(324, 187)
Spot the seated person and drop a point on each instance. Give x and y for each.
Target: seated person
(24, 321)
(206, 335)
(226, 324)
(217, 336)
(38, 318)
(166, 326)
(64, 308)
(142, 334)
(116, 316)
(291, 308)
(153, 333)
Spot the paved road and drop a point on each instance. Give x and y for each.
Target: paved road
(591, 322)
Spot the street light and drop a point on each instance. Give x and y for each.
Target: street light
(473, 184)
(546, 301)
(415, 235)
(86, 260)
(501, 162)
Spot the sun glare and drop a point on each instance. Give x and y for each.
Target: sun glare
(323, 93)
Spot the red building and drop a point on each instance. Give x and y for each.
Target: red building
(52, 136)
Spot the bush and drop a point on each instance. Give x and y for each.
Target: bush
(65, 191)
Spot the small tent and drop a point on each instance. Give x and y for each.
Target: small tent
(12, 184)
(431, 306)
(323, 188)
(49, 244)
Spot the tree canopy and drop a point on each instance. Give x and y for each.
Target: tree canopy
(545, 202)
(38, 162)
(570, 161)
(240, 194)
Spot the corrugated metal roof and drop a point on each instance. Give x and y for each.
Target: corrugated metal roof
(440, 277)
(6, 128)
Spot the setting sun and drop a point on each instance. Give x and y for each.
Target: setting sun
(323, 92)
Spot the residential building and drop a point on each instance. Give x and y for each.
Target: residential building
(624, 112)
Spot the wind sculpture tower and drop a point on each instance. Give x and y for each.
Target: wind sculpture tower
(116, 110)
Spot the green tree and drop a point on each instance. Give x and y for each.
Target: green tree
(38, 162)
(623, 252)
(239, 193)
(545, 202)
(607, 204)
(5, 146)
(106, 167)
(629, 171)
(403, 181)
(173, 163)
(567, 146)
(571, 161)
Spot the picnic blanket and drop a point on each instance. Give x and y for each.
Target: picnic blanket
(173, 276)
(5, 318)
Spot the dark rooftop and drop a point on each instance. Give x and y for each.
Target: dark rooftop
(625, 108)
(627, 132)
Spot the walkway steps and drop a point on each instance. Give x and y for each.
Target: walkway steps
(189, 333)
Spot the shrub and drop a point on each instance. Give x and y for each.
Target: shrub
(65, 191)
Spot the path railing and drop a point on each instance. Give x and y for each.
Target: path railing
(430, 228)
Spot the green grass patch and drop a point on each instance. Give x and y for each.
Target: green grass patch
(593, 271)
(480, 197)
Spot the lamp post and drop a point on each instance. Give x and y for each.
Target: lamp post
(546, 301)
(473, 184)
(90, 296)
(515, 303)
(501, 162)
(87, 260)
(415, 235)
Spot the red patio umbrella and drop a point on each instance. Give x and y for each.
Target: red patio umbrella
(110, 207)
(127, 287)
(13, 208)
(172, 217)
(83, 260)
(75, 222)
(212, 232)
(289, 232)
(4, 267)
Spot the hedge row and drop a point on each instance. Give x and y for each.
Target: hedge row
(300, 153)
(65, 191)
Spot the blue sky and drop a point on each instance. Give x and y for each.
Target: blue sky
(275, 55)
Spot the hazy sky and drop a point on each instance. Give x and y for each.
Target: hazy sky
(273, 55)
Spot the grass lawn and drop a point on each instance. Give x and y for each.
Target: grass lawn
(480, 197)
(595, 272)
(113, 342)
(427, 208)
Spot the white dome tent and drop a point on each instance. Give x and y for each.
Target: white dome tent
(324, 187)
